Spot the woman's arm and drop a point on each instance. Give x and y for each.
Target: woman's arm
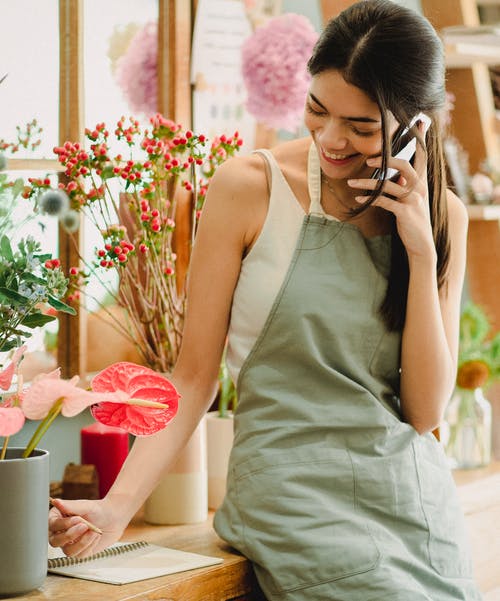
(225, 230)
(231, 219)
(430, 336)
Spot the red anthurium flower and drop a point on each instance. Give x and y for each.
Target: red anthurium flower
(11, 420)
(139, 383)
(8, 373)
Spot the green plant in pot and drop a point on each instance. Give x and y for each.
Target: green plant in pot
(220, 437)
(468, 416)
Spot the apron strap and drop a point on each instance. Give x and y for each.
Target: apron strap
(314, 184)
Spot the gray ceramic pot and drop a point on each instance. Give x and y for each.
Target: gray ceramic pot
(24, 504)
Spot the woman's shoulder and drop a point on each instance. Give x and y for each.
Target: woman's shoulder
(247, 175)
(458, 218)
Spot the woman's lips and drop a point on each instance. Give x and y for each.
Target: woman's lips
(338, 161)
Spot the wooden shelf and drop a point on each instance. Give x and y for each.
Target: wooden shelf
(46, 165)
(483, 212)
(466, 45)
(462, 56)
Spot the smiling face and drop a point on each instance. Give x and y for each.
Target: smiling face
(345, 125)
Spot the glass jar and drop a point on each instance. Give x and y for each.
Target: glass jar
(467, 430)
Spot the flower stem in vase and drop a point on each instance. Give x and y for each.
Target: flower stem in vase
(43, 427)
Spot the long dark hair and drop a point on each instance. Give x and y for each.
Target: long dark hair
(395, 56)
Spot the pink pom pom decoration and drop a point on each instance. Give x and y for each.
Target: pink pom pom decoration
(136, 70)
(274, 67)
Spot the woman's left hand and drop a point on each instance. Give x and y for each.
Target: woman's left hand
(410, 204)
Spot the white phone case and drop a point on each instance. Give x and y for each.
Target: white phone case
(408, 151)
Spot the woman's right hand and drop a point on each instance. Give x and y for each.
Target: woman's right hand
(76, 539)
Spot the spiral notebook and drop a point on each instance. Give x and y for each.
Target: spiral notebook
(128, 562)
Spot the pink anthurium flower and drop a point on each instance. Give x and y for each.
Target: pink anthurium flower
(139, 383)
(8, 373)
(40, 397)
(11, 420)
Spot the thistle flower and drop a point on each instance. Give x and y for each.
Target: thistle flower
(53, 202)
(70, 220)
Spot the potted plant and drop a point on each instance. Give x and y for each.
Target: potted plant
(24, 473)
(220, 438)
(467, 432)
(132, 197)
(32, 289)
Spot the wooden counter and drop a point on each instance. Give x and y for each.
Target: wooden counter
(232, 580)
(479, 492)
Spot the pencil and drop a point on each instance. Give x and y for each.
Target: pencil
(86, 522)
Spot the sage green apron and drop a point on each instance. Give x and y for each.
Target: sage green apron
(330, 495)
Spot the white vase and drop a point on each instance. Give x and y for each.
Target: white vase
(181, 495)
(467, 429)
(220, 437)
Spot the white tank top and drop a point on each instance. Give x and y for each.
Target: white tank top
(264, 268)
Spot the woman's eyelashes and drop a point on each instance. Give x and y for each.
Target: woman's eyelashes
(353, 128)
(313, 111)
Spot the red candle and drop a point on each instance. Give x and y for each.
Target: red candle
(106, 448)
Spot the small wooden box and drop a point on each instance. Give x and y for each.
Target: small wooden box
(80, 482)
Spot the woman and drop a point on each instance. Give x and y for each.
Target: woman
(339, 293)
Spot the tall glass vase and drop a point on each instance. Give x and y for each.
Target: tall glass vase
(468, 424)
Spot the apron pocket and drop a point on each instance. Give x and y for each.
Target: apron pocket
(300, 521)
(448, 542)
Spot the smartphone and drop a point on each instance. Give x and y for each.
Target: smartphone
(403, 146)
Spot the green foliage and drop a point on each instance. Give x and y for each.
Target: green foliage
(227, 391)
(26, 286)
(474, 344)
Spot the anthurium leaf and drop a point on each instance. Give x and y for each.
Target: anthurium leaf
(30, 277)
(60, 306)
(8, 345)
(12, 295)
(6, 249)
(44, 257)
(36, 320)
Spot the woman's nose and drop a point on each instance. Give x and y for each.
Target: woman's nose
(332, 136)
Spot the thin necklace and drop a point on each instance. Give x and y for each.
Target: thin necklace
(334, 194)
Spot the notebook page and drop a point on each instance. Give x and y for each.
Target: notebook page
(139, 564)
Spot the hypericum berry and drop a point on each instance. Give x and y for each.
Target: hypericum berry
(201, 138)
(122, 258)
(143, 248)
(103, 263)
(155, 212)
(155, 227)
(101, 253)
(73, 271)
(108, 246)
